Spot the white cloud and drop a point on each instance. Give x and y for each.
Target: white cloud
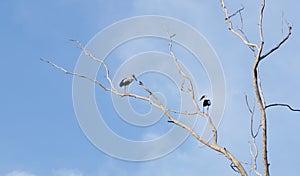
(67, 172)
(19, 173)
(56, 172)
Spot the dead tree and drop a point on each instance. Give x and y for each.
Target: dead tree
(259, 55)
(153, 99)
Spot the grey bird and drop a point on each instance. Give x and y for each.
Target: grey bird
(206, 102)
(126, 81)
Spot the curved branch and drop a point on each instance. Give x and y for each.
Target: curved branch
(253, 135)
(281, 104)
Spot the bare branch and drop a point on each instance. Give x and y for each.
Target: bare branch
(260, 101)
(241, 29)
(182, 73)
(213, 145)
(254, 155)
(261, 15)
(253, 152)
(260, 88)
(279, 44)
(259, 56)
(281, 104)
(75, 74)
(229, 22)
(251, 110)
(101, 85)
(89, 54)
(191, 89)
(151, 93)
(235, 13)
(242, 21)
(183, 113)
(247, 103)
(157, 103)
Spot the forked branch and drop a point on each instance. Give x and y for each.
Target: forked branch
(191, 88)
(231, 28)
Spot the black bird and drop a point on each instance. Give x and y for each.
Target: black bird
(206, 102)
(126, 81)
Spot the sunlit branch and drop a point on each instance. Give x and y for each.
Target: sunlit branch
(156, 103)
(261, 15)
(90, 55)
(183, 113)
(76, 74)
(229, 22)
(192, 91)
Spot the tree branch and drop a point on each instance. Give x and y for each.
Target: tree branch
(157, 103)
(90, 55)
(192, 91)
(256, 78)
(281, 104)
(235, 13)
(254, 155)
(253, 152)
(183, 113)
(251, 110)
(279, 44)
(261, 15)
(229, 22)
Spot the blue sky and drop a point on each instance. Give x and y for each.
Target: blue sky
(39, 132)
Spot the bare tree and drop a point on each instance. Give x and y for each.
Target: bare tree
(153, 99)
(259, 55)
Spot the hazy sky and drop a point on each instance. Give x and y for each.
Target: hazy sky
(39, 131)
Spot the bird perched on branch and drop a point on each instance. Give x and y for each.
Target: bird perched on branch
(206, 102)
(126, 81)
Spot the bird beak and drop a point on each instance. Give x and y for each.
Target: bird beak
(134, 78)
(202, 97)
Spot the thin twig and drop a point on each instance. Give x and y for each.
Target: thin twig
(254, 156)
(235, 13)
(251, 110)
(75, 74)
(90, 55)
